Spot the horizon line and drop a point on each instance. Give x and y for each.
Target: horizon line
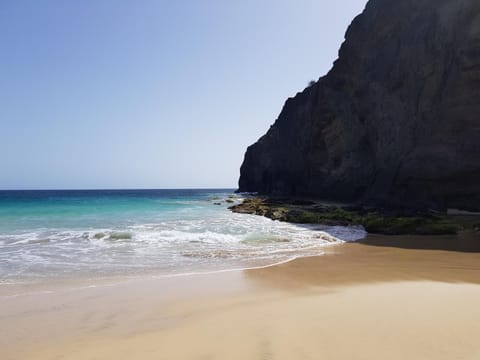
(122, 189)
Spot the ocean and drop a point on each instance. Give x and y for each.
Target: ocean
(97, 234)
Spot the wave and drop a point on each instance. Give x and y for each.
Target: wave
(125, 235)
(206, 240)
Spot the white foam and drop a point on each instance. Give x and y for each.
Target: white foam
(205, 240)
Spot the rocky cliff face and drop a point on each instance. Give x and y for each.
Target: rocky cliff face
(396, 122)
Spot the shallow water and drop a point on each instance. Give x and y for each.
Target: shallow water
(63, 234)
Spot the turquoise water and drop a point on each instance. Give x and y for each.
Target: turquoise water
(97, 234)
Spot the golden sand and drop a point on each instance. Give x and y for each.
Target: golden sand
(357, 302)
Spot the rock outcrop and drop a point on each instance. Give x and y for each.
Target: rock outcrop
(396, 121)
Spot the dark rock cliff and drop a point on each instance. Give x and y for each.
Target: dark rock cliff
(396, 121)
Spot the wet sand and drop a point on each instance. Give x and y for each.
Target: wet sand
(379, 299)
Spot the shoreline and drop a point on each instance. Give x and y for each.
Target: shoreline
(81, 283)
(463, 242)
(154, 318)
(85, 280)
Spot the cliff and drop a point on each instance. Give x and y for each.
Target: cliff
(396, 121)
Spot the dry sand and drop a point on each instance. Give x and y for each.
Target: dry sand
(360, 301)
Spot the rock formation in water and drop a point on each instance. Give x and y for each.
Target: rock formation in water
(396, 121)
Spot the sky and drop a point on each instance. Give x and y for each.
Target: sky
(152, 93)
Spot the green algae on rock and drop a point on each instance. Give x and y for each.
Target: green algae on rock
(374, 220)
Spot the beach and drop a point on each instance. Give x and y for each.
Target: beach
(231, 180)
(376, 299)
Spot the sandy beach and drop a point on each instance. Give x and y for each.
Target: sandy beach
(379, 299)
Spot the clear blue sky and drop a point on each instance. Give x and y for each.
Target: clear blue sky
(151, 94)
